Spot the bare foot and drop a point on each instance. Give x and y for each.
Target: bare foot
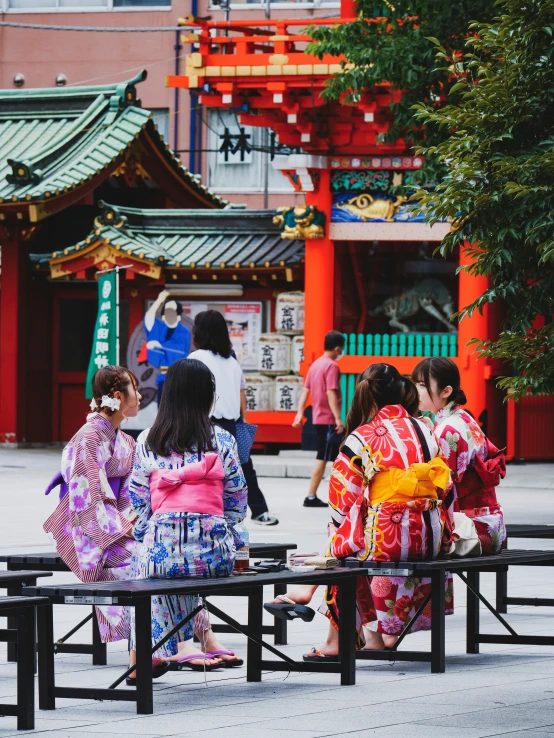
(186, 648)
(331, 645)
(373, 641)
(209, 644)
(389, 640)
(300, 595)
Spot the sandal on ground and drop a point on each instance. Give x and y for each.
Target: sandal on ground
(184, 662)
(159, 668)
(289, 610)
(317, 656)
(227, 663)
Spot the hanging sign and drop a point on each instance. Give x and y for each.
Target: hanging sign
(104, 342)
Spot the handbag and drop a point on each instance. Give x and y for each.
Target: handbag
(245, 434)
(466, 541)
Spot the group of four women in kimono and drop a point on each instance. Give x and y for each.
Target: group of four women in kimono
(167, 507)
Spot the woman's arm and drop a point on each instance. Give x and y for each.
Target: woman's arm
(139, 488)
(235, 491)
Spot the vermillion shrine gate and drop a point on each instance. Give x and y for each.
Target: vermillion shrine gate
(371, 269)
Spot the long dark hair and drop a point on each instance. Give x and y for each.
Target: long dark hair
(210, 332)
(183, 420)
(380, 385)
(445, 373)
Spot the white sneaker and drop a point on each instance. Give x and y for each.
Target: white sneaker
(265, 519)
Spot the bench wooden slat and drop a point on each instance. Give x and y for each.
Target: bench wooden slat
(9, 578)
(149, 587)
(505, 558)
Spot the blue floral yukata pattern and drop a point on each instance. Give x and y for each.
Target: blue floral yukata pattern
(175, 545)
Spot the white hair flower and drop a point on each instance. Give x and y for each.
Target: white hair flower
(112, 402)
(93, 405)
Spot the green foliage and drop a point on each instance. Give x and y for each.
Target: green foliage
(499, 183)
(397, 50)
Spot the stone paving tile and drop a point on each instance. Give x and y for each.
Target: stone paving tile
(538, 715)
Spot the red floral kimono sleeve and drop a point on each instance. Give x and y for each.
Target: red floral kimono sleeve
(347, 501)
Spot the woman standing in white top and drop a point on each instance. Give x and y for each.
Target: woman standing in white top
(211, 338)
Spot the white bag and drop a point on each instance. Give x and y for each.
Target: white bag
(466, 541)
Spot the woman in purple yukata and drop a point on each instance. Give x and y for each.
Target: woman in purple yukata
(92, 525)
(188, 491)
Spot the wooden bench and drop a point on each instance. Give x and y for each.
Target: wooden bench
(13, 582)
(138, 593)
(436, 570)
(50, 561)
(543, 532)
(22, 610)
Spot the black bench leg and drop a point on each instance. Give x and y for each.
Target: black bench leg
(346, 597)
(46, 677)
(254, 650)
(12, 623)
(501, 591)
(437, 622)
(143, 621)
(472, 644)
(99, 651)
(26, 649)
(280, 636)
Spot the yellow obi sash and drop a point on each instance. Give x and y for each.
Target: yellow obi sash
(404, 485)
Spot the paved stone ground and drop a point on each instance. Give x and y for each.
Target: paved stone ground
(504, 691)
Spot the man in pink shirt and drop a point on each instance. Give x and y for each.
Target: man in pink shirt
(323, 381)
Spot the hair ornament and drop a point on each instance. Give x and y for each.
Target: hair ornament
(93, 405)
(112, 402)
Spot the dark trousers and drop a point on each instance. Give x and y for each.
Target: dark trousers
(256, 499)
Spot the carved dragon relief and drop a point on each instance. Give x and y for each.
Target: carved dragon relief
(300, 222)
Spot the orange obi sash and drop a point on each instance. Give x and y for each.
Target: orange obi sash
(404, 485)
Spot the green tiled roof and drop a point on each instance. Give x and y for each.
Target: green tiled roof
(201, 239)
(54, 139)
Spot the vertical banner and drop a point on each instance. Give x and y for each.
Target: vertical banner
(104, 342)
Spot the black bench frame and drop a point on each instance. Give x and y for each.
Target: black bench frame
(436, 570)
(542, 532)
(50, 561)
(22, 614)
(138, 593)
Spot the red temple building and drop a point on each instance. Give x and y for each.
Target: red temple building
(87, 183)
(372, 271)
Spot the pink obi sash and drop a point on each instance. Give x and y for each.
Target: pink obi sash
(196, 487)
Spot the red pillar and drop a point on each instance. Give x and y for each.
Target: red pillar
(319, 280)
(348, 9)
(472, 369)
(12, 363)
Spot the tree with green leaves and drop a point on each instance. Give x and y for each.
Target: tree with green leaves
(498, 189)
(389, 42)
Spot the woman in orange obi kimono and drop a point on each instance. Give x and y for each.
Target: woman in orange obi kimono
(477, 466)
(386, 491)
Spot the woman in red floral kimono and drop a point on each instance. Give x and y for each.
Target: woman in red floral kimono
(477, 466)
(386, 489)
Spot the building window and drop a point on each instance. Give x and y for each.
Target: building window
(238, 156)
(160, 117)
(40, 5)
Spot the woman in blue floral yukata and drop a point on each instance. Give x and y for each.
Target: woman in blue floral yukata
(188, 491)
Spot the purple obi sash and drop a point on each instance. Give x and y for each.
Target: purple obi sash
(59, 481)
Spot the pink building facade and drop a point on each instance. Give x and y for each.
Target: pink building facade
(34, 58)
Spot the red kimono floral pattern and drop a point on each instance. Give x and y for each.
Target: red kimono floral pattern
(477, 467)
(388, 531)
